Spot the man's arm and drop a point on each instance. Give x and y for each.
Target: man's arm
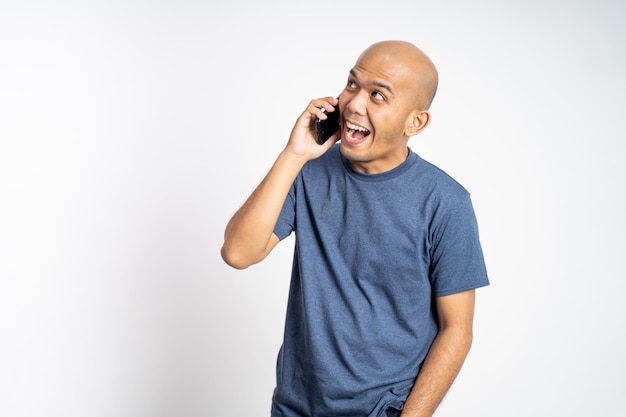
(249, 235)
(446, 355)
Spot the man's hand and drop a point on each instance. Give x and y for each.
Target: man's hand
(302, 142)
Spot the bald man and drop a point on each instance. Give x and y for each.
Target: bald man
(387, 256)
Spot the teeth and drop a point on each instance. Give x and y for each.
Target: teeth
(355, 127)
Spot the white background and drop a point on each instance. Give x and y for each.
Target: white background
(131, 131)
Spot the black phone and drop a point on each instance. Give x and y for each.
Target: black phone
(326, 128)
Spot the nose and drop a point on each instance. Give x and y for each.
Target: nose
(357, 103)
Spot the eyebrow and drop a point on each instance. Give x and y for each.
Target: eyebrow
(376, 83)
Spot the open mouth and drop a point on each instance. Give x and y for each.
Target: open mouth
(355, 133)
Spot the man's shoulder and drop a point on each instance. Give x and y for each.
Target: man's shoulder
(435, 178)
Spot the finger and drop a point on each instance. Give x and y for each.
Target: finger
(320, 106)
(330, 103)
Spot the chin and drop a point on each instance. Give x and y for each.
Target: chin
(352, 154)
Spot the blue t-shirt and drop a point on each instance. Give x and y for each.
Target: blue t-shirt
(372, 252)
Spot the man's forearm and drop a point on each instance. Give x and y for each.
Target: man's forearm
(442, 365)
(248, 233)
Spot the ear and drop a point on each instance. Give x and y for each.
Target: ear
(416, 122)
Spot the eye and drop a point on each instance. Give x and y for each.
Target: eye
(351, 84)
(377, 95)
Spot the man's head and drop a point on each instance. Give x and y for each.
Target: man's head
(385, 102)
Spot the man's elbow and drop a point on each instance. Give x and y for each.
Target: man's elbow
(460, 338)
(242, 253)
(234, 258)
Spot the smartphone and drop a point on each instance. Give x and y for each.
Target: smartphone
(326, 128)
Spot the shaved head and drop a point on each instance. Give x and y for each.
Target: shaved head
(415, 65)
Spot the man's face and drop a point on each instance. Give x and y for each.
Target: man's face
(375, 107)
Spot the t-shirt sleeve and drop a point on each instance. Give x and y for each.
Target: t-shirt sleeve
(457, 262)
(286, 220)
